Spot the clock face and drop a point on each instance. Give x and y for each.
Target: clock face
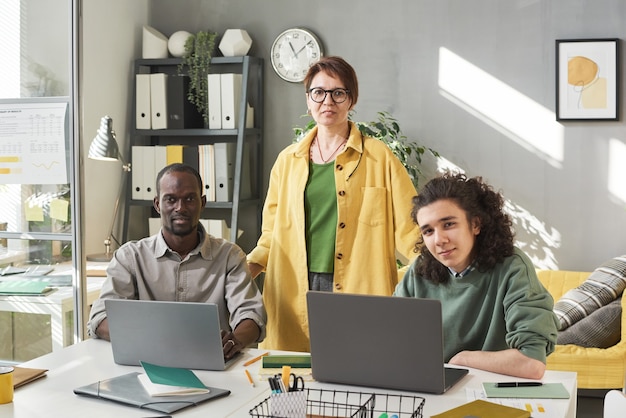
(293, 52)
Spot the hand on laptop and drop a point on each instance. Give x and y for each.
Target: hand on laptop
(230, 344)
(245, 333)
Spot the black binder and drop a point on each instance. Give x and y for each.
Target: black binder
(127, 389)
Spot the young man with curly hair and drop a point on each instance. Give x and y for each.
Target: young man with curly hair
(496, 314)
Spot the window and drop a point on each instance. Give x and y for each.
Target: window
(38, 233)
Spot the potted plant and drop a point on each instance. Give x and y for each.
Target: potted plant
(199, 49)
(387, 129)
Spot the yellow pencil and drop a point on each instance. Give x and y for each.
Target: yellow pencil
(254, 360)
(249, 377)
(285, 376)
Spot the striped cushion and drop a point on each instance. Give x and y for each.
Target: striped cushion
(601, 329)
(603, 286)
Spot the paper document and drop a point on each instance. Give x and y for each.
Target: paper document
(538, 408)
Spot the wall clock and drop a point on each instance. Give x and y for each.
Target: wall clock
(293, 52)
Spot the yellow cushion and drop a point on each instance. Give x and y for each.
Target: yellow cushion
(597, 368)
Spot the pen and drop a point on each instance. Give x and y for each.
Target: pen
(274, 384)
(249, 377)
(254, 360)
(517, 384)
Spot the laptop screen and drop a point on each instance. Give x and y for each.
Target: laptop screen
(173, 334)
(377, 341)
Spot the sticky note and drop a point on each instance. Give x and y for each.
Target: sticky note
(59, 209)
(33, 213)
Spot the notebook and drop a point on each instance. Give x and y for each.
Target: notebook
(379, 341)
(127, 389)
(172, 334)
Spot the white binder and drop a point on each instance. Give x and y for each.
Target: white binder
(224, 159)
(206, 168)
(218, 228)
(158, 100)
(215, 101)
(245, 188)
(160, 161)
(148, 172)
(136, 174)
(154, 226)
(142, 101)
(231, 100)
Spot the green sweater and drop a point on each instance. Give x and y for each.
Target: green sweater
(506, 307)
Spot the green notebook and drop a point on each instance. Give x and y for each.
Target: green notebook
(172, 376)
(295, 361)
(24, 288)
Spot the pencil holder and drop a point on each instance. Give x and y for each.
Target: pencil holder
(288, 404)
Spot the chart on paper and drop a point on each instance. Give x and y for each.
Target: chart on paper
(32, 143)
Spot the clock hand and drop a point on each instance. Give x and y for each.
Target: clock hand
(295, 54)
(300, 51)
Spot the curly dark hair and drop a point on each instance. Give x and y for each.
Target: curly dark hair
(479, 201)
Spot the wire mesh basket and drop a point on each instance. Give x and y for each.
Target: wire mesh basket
(322, 403)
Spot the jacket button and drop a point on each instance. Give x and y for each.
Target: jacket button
(339, 256)
(338, 286)
(339, 167)
(342, 193)
(342, 225)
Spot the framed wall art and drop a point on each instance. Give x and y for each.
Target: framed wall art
(587, 79)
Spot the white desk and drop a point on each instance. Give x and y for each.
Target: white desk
(92, 360)
(57, 305)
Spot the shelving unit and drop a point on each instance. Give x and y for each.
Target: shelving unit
(251, 69)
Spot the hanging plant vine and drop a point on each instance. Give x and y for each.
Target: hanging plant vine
(199, 49)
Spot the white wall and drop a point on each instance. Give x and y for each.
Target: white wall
(556, 175)
(111, 40)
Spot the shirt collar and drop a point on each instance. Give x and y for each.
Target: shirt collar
(463, 273)
(203, 247)
(354, 141)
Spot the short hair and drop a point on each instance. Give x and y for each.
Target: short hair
(479, 201)
(338, 68)
(178, 168)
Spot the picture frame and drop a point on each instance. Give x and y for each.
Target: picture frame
(587, 79)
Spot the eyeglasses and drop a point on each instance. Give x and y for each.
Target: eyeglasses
(318, 94)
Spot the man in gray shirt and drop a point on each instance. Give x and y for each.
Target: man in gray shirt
(184, 263)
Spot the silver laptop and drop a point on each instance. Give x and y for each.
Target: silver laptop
(173, 334)
(379, 341)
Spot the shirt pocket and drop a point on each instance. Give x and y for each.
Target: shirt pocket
(374, 206)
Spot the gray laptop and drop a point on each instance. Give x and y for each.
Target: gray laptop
(379, 341)
(173, 334)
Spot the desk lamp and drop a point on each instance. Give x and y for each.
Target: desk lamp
(104, 147)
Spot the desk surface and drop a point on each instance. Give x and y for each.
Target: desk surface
(92, 360)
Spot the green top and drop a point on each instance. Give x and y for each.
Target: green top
(320, 208)
(506, 307)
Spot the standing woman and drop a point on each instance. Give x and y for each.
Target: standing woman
(337, 210)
